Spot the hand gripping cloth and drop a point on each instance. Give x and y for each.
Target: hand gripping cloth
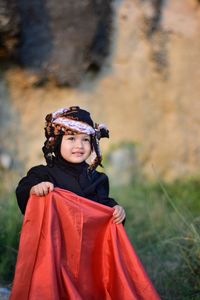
(71, 250)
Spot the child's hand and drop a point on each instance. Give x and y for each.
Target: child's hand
(119, 214)
(42, 189)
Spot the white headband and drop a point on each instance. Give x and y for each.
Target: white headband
(74, 125)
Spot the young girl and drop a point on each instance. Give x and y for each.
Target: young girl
(71, 136)
(72, 245)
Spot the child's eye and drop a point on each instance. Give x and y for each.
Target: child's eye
(71, 138)
(86, 140)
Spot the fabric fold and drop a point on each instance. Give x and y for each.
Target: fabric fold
(71, 250)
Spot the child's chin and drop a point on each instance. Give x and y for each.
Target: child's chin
(77, 160)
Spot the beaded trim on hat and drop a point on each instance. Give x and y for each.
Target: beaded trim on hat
(74, 125)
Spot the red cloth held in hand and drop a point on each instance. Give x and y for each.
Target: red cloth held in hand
(71, 250)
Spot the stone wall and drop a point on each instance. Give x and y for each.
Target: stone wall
(147, 92)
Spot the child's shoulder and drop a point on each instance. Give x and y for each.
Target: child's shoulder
(97, 175)
(38, 169)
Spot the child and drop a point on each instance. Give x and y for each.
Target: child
(70, 247)
(71, 136)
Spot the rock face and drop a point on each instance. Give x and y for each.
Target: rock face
(61, 40)
(147, 92)
(122, 165)
(8, 133)
(9, 26)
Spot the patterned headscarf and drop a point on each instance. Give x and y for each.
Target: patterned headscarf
(72, 120)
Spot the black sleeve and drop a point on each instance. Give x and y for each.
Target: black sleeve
(34, 176)
(103, 192)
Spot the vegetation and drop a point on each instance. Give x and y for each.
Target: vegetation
(163, 224)
(10, 226)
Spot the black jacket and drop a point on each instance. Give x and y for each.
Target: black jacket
(68, 176)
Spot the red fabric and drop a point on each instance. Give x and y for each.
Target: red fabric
(70, 249)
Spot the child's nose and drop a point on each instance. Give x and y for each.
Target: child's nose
(79, 143)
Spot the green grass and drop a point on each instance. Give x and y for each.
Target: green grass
(10, 226)
(163, 224)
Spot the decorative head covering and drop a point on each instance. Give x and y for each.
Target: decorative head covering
(72, 120)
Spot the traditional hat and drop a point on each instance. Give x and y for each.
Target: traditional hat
(72, 120)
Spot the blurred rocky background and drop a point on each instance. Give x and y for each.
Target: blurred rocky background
(135, 65)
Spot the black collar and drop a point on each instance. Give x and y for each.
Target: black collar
(74, 168)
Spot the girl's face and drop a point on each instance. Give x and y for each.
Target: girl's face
(75, 148)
